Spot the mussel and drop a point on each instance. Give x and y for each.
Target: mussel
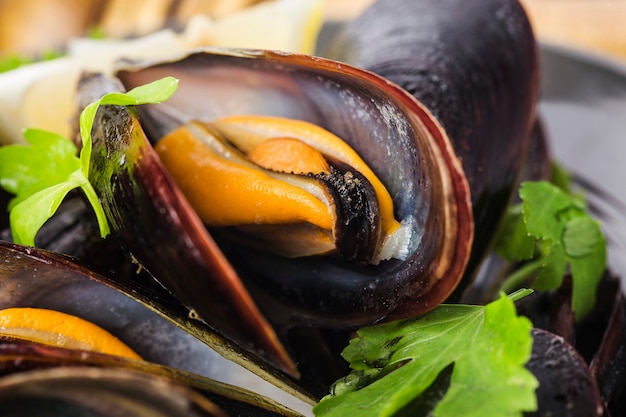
(173, 347)
(577, 363)
(442, 163)
(99, 392)
(475, 66)
(379, 122)
(451, 155)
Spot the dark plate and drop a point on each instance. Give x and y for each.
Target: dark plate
(583, 105)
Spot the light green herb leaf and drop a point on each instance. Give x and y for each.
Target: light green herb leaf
(554, 265)
(542, 205)
(42, 173)
(514, 241)
(11, 62)
(587, 269)
(580, 236)
(507, 350)
(575, 238)
(394, 363)
(85, 120)
(21, 165)
(14, 61)
(29, 216)
(565, 235)
(152, 93)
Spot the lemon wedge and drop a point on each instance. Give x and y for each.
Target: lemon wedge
(58, 329)
(41, 95)
(284, 25)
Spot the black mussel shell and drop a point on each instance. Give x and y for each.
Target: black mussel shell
(478, 79)
(608, 364)
(475, 66)
(394, 134)
(580, 364)
(566, 387)
(17, 356)
(98, 392)
(169, 339)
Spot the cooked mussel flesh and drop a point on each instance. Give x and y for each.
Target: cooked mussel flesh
(290, 186)
(239, 289)
(172, 345)
(397, 138)
(475, 66)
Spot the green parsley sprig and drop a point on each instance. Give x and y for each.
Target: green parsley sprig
(42, 172)
(395, 363)
(551, 230)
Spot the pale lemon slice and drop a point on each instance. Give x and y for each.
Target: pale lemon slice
(285, 25)
(41, 95)
(54, 328)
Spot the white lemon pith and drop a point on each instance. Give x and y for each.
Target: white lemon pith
(41, 95)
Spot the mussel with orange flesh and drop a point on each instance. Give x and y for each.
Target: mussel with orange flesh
(156, 224)
(150, 321)
(290, 197)
(398, 138)
(159, 228)
(475, 66)
(381, 123)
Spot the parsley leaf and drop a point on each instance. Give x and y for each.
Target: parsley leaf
(518, 244)
(42, 172)
(14, 61)
(564, 234)
(394, 363)
(21, 170)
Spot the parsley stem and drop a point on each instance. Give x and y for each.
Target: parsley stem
(93, 198)
(519, 277)
(519, 294)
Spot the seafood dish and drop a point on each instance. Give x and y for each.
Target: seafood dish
(309, 222)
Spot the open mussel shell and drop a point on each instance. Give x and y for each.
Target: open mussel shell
(18, 356)
(149, 320)
(395, 135)
(74, 391)
(480, 92)
(475, 66)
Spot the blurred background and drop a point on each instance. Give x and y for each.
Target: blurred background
(29, 26)
(596, 25)
(593, 25)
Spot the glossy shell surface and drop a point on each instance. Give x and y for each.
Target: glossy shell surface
(475, 66)
(393, 133)
(149, 320)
